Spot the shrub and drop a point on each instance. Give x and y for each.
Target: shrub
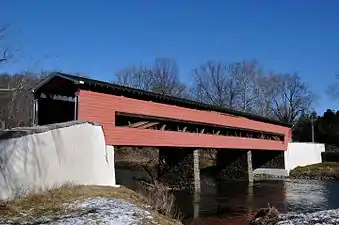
(160, 198)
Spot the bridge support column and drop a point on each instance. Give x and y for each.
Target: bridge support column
(250, 167)
(196, 171)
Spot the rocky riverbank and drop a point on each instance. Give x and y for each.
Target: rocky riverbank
(328, 217)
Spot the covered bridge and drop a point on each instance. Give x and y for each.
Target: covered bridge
(132, 117)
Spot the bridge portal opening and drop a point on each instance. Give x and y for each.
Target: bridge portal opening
(55, 101)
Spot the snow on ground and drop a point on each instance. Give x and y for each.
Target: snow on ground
(99, 211)
(328, 217)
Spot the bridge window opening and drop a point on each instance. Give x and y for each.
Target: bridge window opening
(163, 124)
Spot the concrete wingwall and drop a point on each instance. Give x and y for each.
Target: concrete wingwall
(302, 154)
(45, 157)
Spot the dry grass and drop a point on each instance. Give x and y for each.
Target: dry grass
(317, 171)
(161, 199)
(56, 202)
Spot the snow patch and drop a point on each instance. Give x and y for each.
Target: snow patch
(99, 210)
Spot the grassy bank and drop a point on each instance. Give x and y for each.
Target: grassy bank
(56, 202)
(320, 171)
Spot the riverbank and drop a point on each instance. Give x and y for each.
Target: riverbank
(272, 216)
(320, 171)
(327, 217)
(81, 204)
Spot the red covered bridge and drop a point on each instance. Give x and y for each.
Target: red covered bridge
(132, 117)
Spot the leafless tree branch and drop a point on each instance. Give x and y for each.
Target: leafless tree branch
(213, 84)
(290, 96)
(162, 77)
(16, 99)
(244, 87)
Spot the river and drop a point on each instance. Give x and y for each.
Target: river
(229, 203)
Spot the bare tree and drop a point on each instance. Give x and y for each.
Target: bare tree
(227, 85)
(246, 75)
(165, 75)
(16, 103)
(214, 85)
(290, 97)
(265, 93)
(136, 77)
(244, 87)
(162, 77)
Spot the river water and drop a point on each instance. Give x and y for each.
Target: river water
(235, 203)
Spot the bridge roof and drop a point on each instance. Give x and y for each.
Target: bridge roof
(111, 88)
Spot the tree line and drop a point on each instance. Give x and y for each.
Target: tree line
(325, 129)
(240, 86)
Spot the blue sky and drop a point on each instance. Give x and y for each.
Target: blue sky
(98, 38)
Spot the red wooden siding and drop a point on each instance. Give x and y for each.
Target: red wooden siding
(132, 137)
(101, 108)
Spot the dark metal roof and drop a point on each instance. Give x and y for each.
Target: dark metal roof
(101, 86)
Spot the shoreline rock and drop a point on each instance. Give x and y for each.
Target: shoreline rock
(326, 217)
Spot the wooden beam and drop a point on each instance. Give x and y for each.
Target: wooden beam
(137, 124)
(147, 125)
(276, 138)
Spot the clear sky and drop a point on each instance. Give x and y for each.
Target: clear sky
(98, 38)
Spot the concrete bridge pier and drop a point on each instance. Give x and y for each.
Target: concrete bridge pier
(180, 168)
(196, 171)
(250, 174)
(234, 164)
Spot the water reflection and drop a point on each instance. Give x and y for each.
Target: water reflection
(233, 202)
(196, 206)
(230, 203)
(299, 193)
